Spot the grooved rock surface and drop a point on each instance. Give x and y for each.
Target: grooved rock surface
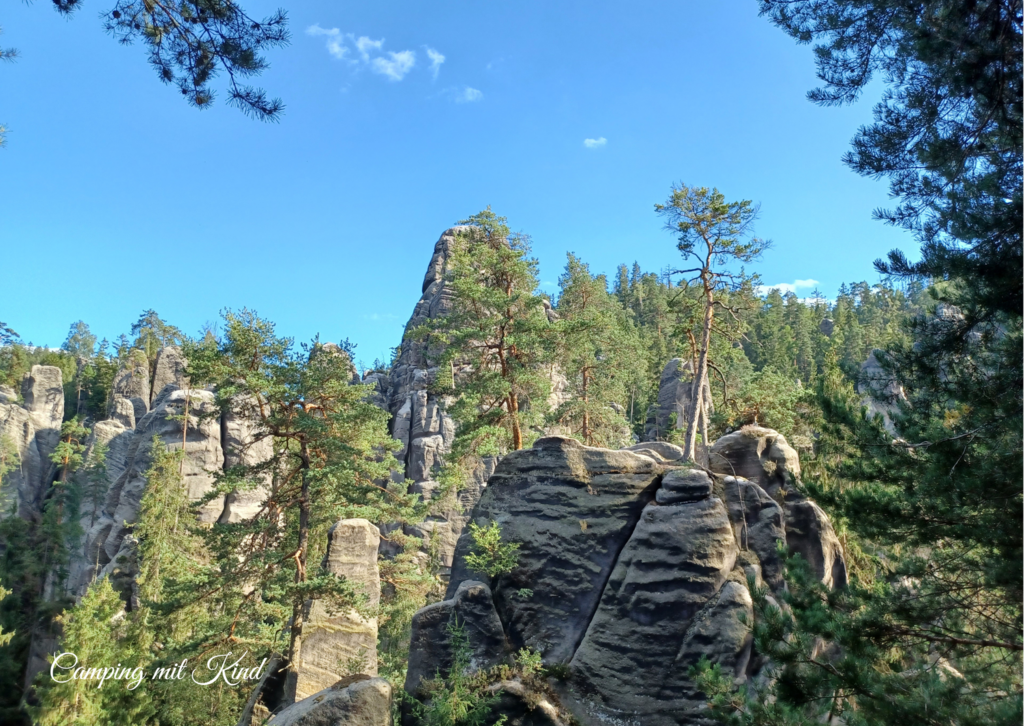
(627, 592)
(628, 665)
(571, 508)
(350, 702)
(336, 644)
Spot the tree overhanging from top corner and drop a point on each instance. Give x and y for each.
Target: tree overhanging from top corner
(192, 42)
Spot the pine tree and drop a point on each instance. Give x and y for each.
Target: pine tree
(596, 350)
(495, 339)
(714, 233)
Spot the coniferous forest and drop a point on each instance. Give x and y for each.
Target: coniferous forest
(654, 497)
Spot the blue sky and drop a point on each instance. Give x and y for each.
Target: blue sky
(115, 196)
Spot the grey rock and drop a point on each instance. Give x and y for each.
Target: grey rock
(810, 533)
(335, 644)
(571, 508)
(42, 393)
(471, 608)
(764, 457)
(353, 701)
(826, 327)
(881, 392)
(123, 411)
(169, 370)
(675, 395)
(663, 450)
(759, 454)
(627, 666)
(758, 524)
(684, 485)
(132, 381)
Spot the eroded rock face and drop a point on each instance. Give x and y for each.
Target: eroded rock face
(572, 508)
(353, 701)
(336, 644)
(763, 456)
(32, 428)
(674, 399)
(631, 662)
(632, 567)
(758, 454)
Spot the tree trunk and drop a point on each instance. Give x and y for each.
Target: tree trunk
(517, 433)
(295, 646)
(697, 395)
(586, 411)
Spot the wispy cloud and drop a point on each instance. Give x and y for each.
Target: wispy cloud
(396, 65)
(366, 52)
(595, 143)
(364, 45)
(468, 95)
(381, 316)
(787, 287)
(436, 59)
(335, 40)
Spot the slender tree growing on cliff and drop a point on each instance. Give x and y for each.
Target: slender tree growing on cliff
(713, 233)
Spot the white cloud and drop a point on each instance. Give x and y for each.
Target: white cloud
(369, 53)
(468, 95)
(364, 45)
(595, 143)
(381, 317)
(335, 40)
(436, 59)
(787, 287)
(396, 65)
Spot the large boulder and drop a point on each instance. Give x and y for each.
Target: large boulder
(764, 458)
(632, 567)
(470, 608)
(759, 454)
(353, 701)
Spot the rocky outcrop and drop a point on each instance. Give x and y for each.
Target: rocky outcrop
(211, 442)
(764, 456)
(631, 568)
(471, 607)
(132, 383)
(572, 508)
(30, 430)
(354, 701)
(336, 644)
(675, 396)
(881, 392)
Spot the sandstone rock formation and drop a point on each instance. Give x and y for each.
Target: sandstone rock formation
(354, 701)
(675, 396)
(880, 391)
(631, 568)
(31, 430)
(336, 644)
